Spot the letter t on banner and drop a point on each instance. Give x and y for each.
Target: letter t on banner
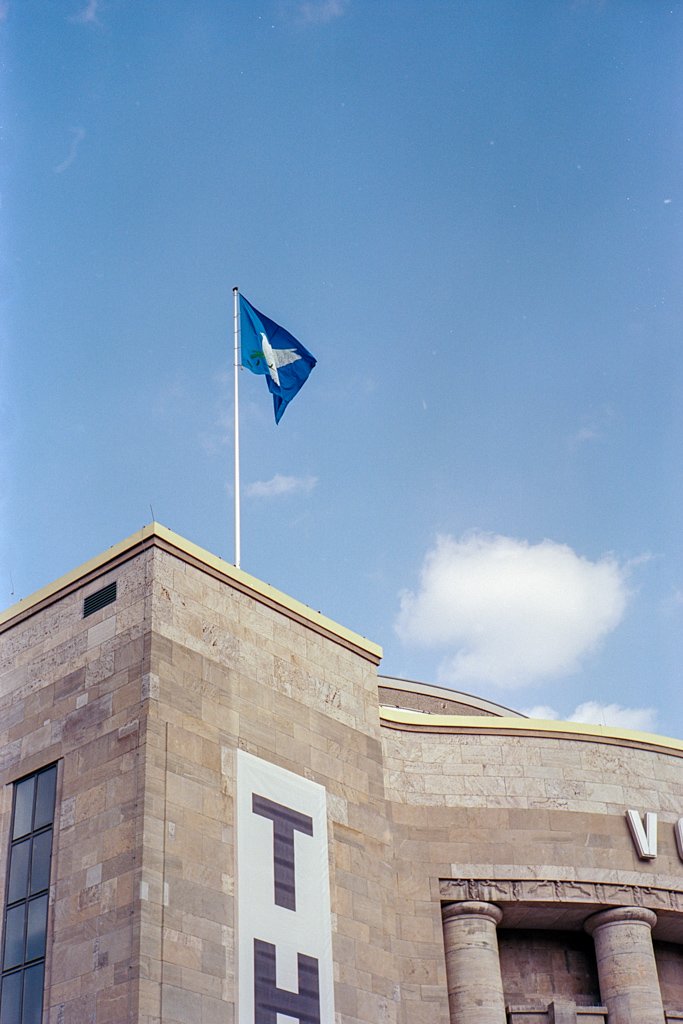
(283, 896)
(285, 823)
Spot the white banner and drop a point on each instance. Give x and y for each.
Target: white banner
(283, 897)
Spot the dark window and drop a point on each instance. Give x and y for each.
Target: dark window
(28, 882)
(100, 599)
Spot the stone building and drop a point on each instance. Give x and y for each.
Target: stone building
(213, 810)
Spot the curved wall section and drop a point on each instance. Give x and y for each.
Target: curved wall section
(531, 818)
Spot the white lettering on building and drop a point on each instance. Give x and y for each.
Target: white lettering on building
(644, 836)
(283, 897)
(678, 833)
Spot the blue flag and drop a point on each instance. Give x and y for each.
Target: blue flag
(269, 349)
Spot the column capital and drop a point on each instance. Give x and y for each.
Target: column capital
(472, 908)
(620, 915)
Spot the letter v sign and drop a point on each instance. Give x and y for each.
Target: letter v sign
(645, 838)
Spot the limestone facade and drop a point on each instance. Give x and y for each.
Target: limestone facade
(481, 866)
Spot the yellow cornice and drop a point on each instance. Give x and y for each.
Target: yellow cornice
(416, 721)
(156, 535)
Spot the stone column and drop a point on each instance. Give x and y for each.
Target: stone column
(627, 971)
(475, 986)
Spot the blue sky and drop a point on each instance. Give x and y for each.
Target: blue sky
(470, 212)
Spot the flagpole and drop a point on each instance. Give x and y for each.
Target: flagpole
(236, 325)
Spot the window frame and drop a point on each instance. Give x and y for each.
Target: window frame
(32, 900)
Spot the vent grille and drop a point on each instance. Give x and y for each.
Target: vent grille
(100, 599)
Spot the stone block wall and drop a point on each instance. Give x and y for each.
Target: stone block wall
(144, 704)
(71, 692)
(670, 967)
(228, 672)
(555, 964)
(501, 803)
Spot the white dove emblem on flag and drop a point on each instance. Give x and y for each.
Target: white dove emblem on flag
(276, 357)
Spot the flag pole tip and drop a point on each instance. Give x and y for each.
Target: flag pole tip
(235, 289)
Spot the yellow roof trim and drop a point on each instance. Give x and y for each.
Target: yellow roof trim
(155, 532)
(525, 726)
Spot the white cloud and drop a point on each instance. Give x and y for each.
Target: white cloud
(508, 612)
(542, 711)
(594, 428)
(583, 435)
(319, 12)
(593, 712)
(672, 604)
(88, 15)
(281, 485)
(312, 11)
(77, 136)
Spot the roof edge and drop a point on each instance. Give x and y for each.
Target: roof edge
(154, 534)
(397, 718)
(433, 690)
